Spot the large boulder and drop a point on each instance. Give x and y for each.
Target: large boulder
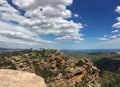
(14, 78)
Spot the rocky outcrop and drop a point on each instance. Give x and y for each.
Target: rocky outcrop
(81, 73)
(14, 78)
(54, 67)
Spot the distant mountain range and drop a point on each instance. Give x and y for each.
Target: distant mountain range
(5, 49)
(90, 50)
(1, 48)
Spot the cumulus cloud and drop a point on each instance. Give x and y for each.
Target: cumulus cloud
(115, 31)
(109, 37)
(13, 34)
(102, 38)
(33, 4)
(113, 37)
(72, 37)
(118, 18)
(117, 25)
(41, 17)
(118, 9)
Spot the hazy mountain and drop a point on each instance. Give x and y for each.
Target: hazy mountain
(1, 49)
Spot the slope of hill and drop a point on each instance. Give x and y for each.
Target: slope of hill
(110, 71)
(107, 62)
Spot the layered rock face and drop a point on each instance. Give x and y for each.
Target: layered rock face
(54, 67)
(14, 78)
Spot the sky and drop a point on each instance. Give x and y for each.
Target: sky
(60, 24)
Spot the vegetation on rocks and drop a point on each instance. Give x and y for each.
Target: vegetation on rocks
(54, 66)
(107, 62)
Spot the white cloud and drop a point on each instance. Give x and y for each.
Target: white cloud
(116, 25)
(41, 17)
(67, 37)
(109, 37)
(115, 31)
(117, 9)
(102, 38)
(13, 34)
(113, 37)
(118, 18)
(24, 3)
(76, 15)
(33, 4)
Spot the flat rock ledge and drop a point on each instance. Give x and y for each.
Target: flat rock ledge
(15, 78)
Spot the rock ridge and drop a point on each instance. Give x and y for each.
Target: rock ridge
(55, 67)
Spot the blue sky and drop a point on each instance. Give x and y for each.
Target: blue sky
(64, 24)
(99, 15)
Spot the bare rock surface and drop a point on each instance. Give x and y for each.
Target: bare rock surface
(14, 78)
